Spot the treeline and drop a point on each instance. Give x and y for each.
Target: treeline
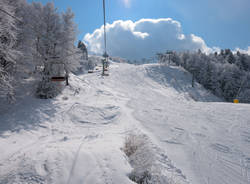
(226, 74)
(35, 41)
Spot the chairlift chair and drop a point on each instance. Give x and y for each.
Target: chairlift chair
(59, 77)
(90, 71)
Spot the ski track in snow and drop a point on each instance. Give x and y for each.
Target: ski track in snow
(77, 137)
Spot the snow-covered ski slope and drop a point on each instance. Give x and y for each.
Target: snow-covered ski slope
(77, 137)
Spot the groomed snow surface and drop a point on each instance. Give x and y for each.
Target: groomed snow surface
(188, 135)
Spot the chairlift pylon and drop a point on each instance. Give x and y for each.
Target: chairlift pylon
(105, 55)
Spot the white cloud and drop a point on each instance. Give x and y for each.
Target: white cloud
(144, 38)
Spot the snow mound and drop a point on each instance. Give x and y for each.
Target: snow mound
(94, 115)
(179, 79)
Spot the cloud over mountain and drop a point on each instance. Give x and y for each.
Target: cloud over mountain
(143, 38)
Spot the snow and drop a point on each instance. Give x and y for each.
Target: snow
(78, 136)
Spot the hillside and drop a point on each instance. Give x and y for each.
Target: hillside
(78, 137)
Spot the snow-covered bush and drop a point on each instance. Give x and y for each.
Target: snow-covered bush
(147, 167)
(137, 150)
(46, 89)
(132, 144)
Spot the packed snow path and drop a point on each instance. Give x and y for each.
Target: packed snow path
(77, 137)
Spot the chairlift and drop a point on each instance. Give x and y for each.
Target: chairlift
(57, 75)
(58, 79)
(90, 71)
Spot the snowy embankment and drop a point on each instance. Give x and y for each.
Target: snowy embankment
(78, 137)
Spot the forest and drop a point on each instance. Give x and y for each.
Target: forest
(225, 74)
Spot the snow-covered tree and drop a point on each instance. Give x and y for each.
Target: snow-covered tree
(8, 52)
(85, 62)
(224, 74)
(83, 48)
(48, 39)
(69, 55)
(46, 32)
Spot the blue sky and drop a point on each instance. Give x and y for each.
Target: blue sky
(221, 23)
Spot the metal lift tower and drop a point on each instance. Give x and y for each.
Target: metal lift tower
(105, 55)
